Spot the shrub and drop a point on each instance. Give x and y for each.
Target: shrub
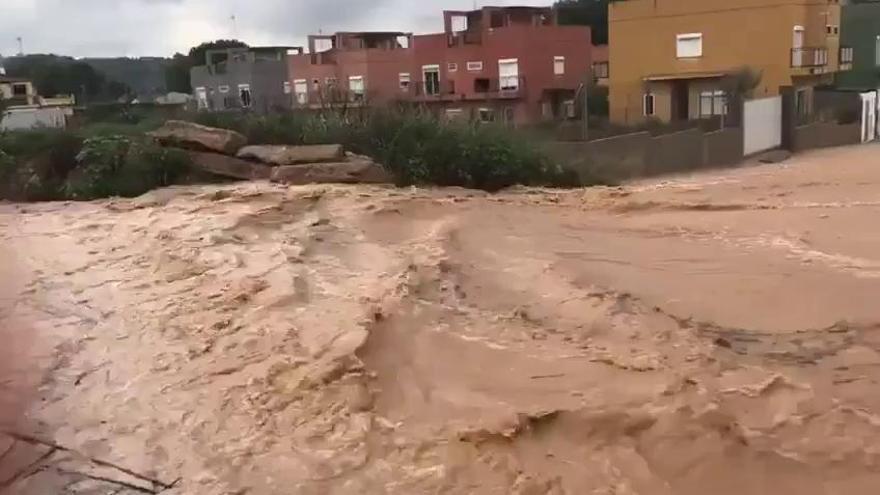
(412, 143)
(121, 166)
(37, 163)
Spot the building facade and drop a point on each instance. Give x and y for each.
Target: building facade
(17, 91)
(674, 59)
(860, 29)
(511, 64)
(253, 79)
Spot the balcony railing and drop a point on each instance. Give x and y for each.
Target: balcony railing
(809, 57)
(502, 87)
(465, 38)
(431, 89)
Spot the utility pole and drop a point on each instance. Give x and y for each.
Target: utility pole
(20, 46)
(234, 27)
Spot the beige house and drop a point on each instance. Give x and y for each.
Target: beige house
(17, 91)
(670, 58)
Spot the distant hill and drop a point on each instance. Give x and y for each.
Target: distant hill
(145, 76)
(110, 77)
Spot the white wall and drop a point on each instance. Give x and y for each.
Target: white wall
(29, 118)
(762, 125)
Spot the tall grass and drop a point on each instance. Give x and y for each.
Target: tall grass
(412, 144)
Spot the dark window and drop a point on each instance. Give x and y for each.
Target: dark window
(497, 20)
(482, 85)
(649, 105)
(432, 81)
(19, 90)
(245, 96)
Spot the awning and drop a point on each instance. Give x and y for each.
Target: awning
(685, 75)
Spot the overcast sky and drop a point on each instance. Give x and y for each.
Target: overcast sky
(113, 28)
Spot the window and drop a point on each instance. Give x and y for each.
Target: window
(600, 70)
(832, 30)
(202, 98)
(452, 67)
(559, 66)
(487, 115)
(454, 113)
(331, 82)
(509, 115)
(287, 87)
(508, 74)
(475, 66)
(223, 89)
(568, 109)
(648, 105)
(356, 86)
(713, 103)
(459, 23)
(244, 95)
(877, 51)
(19, 90)
(405, 81)
(482, 85)
(432, 79)
(689, 45)
(301, 91)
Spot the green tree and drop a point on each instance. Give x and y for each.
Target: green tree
(593, 13)
(177, 73)
(54, 75)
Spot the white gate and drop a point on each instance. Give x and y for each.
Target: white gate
(869, 116)
(762, 125)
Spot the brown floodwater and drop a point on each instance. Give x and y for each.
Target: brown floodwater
(717, 333)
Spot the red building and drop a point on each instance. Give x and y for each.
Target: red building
(514, 64)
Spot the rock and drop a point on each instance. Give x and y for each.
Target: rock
(775, 156)
(228, 166)
(291, 155)
(198, 137)
(352, 172)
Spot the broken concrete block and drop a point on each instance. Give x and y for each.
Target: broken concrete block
(192, 136)
(290, 155)
(351, 172)
(228, 166)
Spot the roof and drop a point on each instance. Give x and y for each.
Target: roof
(7, 79)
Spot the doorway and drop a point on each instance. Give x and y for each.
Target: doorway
(680, 101)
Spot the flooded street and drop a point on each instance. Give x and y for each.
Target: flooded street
(718, 333)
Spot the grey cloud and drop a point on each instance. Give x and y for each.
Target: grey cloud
(161, 27)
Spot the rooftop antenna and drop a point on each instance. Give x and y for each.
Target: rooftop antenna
(20, 46)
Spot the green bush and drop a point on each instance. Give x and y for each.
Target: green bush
(36, 163)
(122, 166)
(412, 143)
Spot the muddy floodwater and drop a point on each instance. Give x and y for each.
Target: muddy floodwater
(711, 334)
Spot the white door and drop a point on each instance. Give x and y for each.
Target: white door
(762, 125)
(869, 116)
(797, 45)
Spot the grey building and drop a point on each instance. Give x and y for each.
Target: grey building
(254, 79)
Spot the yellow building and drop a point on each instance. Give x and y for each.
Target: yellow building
(670, 58)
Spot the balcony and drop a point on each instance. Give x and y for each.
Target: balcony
(432, 91)
(504, 88)
(846, 58)
(509, 88)
(809, 57)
